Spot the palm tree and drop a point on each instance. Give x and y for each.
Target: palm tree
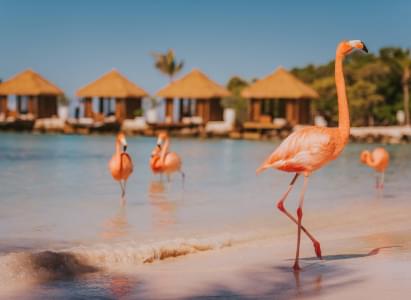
(167, 64)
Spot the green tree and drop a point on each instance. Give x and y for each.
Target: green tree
(167, 63)
(235, 85)
(400, 62)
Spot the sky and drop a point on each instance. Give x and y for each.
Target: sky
(74, 42)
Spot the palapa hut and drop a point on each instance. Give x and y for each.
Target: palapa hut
(117, 97)
(198, 96)
(280, 95)
(36, 97)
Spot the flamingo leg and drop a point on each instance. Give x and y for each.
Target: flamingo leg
(377, 181)
(122, 188)
(124, 185)
(296, 266)
(183, 177)
(280, 206)
(382, 180)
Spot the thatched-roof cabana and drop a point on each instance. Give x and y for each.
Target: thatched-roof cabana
(112, 87)
(36, 97)
(291, 94)
(195, 86)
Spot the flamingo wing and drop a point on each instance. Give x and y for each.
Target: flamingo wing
(302, 151)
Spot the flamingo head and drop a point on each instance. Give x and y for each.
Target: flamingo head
(121, 138)
(156, 151)
(162, 136)
(348, 47)
(363, 156)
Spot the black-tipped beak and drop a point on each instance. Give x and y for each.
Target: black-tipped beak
(364, 48)
(124, 148)
(159, 146)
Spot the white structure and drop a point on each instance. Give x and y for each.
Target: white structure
(222, 127)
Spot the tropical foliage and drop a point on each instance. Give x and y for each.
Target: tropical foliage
(167, 63)
(377, 87)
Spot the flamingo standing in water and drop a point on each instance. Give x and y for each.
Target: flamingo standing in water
(162, 161)
(121, 164)
(378, 159)
(310, 148)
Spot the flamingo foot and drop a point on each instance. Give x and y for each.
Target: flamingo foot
(317, 248)
(296, 267)
(280, 206)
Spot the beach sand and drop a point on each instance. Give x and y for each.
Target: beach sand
(366, 253)
(362, 258)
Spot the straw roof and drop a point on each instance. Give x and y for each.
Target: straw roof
(279, 85)
(194, 85)
(29, 83)
(113, 85)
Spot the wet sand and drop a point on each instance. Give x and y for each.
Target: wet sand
(363, 258)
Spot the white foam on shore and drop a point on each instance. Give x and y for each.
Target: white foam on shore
(55, 264)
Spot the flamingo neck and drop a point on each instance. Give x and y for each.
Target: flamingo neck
(369, 161)
(118, 147)
(164, 150)
(343, 113)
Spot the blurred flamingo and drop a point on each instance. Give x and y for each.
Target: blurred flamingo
(378, 159)
(120, 164)
(310, 148)
(162, 161)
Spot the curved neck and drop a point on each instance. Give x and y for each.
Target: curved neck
(164, 150)
(118, 147)
(343, 113)
(369, 161)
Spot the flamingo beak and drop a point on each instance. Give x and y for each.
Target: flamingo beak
(159, 142)
(125, 148)
(364, 48)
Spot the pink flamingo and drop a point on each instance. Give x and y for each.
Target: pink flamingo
(121, 164)
(310, 148)
(163, 161)
(378, 159)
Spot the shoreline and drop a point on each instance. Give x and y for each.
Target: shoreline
(378, 134)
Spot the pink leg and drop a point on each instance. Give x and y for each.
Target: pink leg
(280, 206)
(382, 181)
(377, 181)
(296, 266)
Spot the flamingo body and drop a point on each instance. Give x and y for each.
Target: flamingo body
(305, 150)
(162, 161)
(378, 159)
(121, 164)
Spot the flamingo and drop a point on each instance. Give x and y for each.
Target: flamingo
(378, 159)
(121, 164)
(163, 161)
(310, 148)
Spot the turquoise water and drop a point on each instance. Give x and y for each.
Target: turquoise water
(57, 194)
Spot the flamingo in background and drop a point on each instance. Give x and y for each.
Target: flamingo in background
(378, 159)
(163, 161)
(310, 148)
(121, 164)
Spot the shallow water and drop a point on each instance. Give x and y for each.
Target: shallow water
(56, 194)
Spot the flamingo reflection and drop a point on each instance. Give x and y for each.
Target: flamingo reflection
(163, 209)
(116, 226)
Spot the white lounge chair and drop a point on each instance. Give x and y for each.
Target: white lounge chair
(136, 124)
(222, 127)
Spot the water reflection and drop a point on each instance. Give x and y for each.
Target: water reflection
(164, 210)
(313, 284)
(116, 226)
(120, 286)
